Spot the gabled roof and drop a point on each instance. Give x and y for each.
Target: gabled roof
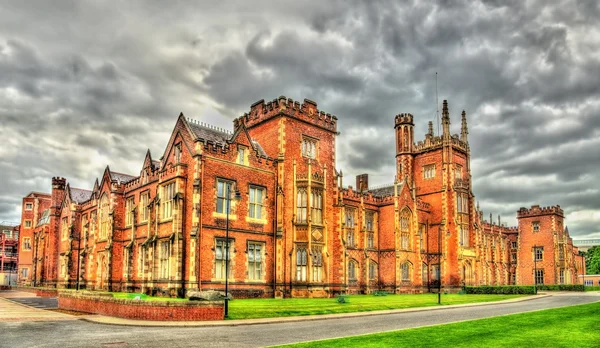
(79, 195)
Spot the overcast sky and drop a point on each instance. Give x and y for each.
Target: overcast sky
(85, 84)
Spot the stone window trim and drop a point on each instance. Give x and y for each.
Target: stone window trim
(221, 254)
(256, 257)
(242, 155)
(353, 269)
(221, 185)
(405, 271)
(177, 153)
(164, 258)
(129, 211)
(535, 226)
(27, 223)
(302, 205)
(257, 197)
(538, 253)
(309, 147)
(167, 201)
(316, 263)
(349, 217)
(369, 221)
(26, 244)
(302, 263)
(429, 171)
(144, 204)
(539, 276)
(64, 228)
(373, 266)
(28, 206)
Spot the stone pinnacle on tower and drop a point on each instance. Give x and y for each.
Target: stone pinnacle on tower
(445, 120)
(464, 131)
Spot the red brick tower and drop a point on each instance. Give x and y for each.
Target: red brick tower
(540, 241)
(304, 139)
(442, 177)
(404, 128)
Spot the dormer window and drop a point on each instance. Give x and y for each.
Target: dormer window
(309, 147)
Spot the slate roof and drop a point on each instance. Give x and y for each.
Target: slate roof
(209, 134)
(217, 136)
(261, 151)
(121, 178)
(383, 191)
(80, 196)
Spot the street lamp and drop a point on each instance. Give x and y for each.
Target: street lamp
(228, 203)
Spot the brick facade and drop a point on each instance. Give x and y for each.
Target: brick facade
(272, 187)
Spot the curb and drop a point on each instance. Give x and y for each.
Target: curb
(244, 322)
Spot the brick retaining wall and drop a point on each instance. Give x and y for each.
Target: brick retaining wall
(141, 310)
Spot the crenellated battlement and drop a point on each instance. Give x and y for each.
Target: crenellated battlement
(435, 142)
(306, 111)
(536, 210)
(404, 119)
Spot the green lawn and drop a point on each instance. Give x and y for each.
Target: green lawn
(577, 326)
(270, 308)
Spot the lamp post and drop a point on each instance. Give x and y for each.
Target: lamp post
(535, 269)
(228, 206)
(78, 261)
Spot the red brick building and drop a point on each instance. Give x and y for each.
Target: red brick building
(272, 186)
(32, 209)
(9, 254)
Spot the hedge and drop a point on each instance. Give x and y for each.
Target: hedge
(562, 287)
(509, 289)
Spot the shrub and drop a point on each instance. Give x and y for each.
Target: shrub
(505, 290)
(342, 299)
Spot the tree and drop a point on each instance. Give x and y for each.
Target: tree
(592, 260)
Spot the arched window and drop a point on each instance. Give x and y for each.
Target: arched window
(301, 261)
(372, 270)
(301, 206)
(405, 271)
(405, 229)
(352, 270)
(104, 217)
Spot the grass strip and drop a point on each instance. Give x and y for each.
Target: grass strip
(575, 326)
(271, 308)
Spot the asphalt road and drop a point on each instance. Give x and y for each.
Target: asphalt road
(78, 333)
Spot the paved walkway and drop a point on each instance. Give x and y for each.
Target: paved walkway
(12, 311)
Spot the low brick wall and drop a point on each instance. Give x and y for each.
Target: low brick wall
(141, 310)
(46, 293)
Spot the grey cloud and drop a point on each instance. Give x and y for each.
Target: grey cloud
(109, 81)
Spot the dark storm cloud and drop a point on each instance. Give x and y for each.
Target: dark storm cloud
(94, 84)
